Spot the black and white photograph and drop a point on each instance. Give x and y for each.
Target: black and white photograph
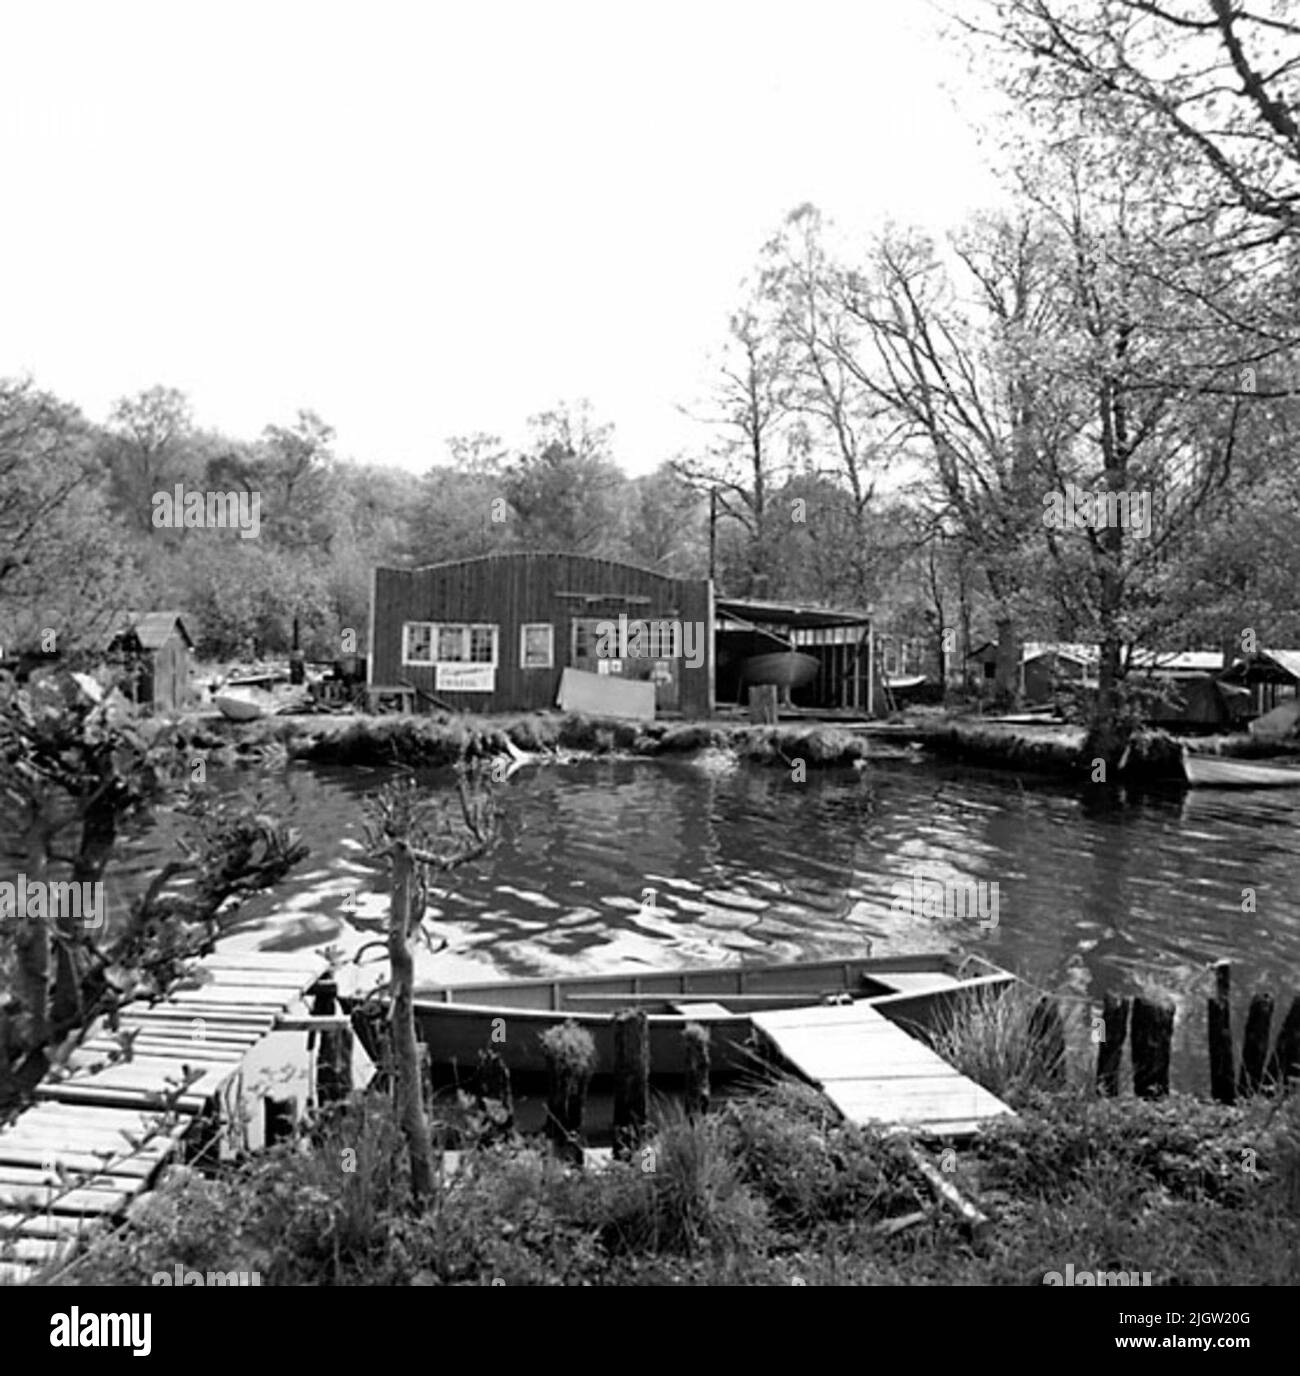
(649, 646)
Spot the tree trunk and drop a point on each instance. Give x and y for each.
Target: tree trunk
(1107, 735)
(406, 1053)
(1007, 677)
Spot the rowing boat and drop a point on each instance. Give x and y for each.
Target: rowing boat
(1217, 771)
(460, 1021)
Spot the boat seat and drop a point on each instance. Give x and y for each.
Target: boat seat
(703, 1011)
(917, 982)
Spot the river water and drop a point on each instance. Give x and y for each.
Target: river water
(615, 864)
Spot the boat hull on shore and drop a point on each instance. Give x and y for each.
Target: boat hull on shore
(244, 704)
(785, 669)
(1218, 771)
(508, 1017)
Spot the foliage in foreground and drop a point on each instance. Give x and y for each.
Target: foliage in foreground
(769, 1190)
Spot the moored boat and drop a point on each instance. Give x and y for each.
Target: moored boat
(1219, 771)
(508, 1016)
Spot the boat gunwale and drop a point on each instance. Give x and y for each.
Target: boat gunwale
(899, 998)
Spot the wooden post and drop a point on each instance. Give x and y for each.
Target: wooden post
(5, 1088)
(631, 1078)
(1047, 1033)
(494, 1085)
(1110, 1054)
(280, 1115)
(334, 1054)
(570, 1058)
(696, 1037)
(763, 704)
(1284, 1063)
(1219, 1032)
(1151, 1032)
(1254, 1044)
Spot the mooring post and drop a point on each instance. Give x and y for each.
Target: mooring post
(334, 1054)
(1219, 1033)
(1047, 1033)
(1284, 1063)
(494, 1085)
(279, 1120)
(1110, 1054)
(696, 1038)
(1151, 1034)
(763, 704)
(1254, 1044)
(570, 1057)
(631, 1078)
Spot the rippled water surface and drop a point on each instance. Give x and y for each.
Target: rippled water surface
(610, 863)
(616, 864)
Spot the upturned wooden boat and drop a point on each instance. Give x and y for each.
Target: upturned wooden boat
(244, 704)
(1219, 771)
(508, 1016)
(785, 668)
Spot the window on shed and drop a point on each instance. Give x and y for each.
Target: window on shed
(434, 642)
(537, 645)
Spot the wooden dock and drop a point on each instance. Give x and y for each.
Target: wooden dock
(874, 1072)
(109, 1118)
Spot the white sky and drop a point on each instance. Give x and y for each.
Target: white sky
(422, 219)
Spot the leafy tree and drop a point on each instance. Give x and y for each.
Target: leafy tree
(566, 491)
(146, 447)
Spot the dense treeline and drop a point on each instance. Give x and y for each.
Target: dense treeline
(1072, 418)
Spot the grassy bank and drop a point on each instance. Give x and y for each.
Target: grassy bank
(439, 740)
(773, 1188)
(442, 739)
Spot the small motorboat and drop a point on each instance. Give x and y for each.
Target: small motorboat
(244, 704)
(508, 1016)
(1220, 771)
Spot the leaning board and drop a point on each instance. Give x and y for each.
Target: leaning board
(874, 1072)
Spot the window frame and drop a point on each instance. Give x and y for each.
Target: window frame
(549, 628)
(466, 630)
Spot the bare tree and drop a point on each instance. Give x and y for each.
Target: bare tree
(419, 836)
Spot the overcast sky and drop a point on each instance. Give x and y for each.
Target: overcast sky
(423, 219)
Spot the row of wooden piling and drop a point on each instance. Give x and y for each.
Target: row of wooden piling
(570, 1059)
(1146, 1022)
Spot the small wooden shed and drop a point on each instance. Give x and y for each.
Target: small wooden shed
(153, 651)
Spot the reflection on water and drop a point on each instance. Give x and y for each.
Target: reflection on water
(618, 863)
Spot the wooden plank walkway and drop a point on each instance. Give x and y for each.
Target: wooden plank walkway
(874, 1072)
(107, 1120)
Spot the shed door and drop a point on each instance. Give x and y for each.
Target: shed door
(662, 666)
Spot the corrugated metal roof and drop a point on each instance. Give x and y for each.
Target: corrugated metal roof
(1064, 649)
(1179, 662)
(787, 614)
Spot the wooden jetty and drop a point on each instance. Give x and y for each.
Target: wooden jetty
(875, 1072)
(107, 1120)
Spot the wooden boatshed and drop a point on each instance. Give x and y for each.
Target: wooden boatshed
(849, 675)
(496, 633)
(153, 652)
